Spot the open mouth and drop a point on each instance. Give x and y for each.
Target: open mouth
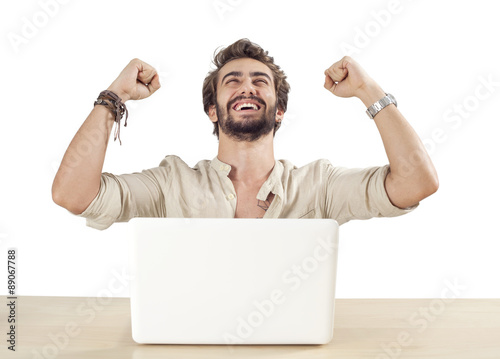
(246, 106)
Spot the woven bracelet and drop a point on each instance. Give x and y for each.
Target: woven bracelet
(114, 103)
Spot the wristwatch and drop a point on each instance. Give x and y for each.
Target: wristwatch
(380, 104)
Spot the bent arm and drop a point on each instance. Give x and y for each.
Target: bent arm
(78, 179)
(412, 175)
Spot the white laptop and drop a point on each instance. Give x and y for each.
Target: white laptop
(233, 281)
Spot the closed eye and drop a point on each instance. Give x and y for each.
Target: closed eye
(236, 80)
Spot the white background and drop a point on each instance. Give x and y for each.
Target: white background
(433, 56)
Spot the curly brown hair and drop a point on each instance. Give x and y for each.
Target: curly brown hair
(243, 48)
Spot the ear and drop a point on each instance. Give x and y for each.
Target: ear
(212, 113)
(279, 115)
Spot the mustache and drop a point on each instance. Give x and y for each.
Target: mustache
(240, 98)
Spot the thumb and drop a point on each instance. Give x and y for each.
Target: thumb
(328, 82)
(154, 84)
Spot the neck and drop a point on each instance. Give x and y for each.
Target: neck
(251, 162)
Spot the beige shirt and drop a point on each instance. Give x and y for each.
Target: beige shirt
(173, 189)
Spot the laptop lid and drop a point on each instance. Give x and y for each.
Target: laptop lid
(232, 281)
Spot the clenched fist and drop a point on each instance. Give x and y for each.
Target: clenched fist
(137, 80)
(346, 78)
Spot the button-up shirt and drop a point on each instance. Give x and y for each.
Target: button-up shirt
(173, 189)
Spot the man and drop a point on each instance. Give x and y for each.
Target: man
(245, 97)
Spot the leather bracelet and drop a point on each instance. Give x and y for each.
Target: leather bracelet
(114, 103)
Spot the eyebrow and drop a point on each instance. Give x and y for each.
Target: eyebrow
(240, 74)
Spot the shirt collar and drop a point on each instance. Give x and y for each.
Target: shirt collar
(272, 184)
(220, 167)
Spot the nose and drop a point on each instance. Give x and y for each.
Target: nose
(247, 87)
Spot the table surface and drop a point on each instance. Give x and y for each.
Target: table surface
(81, 327)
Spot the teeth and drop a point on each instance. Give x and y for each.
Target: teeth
(254, 106)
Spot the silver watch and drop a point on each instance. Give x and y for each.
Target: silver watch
(380, 104)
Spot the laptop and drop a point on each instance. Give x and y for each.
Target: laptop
(232, 280)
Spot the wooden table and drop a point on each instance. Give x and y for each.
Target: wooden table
(79, 327)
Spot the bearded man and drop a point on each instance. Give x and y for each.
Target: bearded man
(245, 97)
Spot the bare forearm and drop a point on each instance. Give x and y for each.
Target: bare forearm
(413, 176)
(77, 181)
(79, 177)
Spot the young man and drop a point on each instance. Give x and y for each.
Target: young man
(246, 98)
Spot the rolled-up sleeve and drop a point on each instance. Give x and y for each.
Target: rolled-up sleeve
(353, 193)
(124, 197)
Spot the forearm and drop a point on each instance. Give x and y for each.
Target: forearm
(77, 181)
(413, 176)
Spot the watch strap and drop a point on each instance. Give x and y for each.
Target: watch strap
(374, 109)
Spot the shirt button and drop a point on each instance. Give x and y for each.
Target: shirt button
(226, 168)
(231, 196)
(221, 167)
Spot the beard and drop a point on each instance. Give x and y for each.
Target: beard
(250, 128)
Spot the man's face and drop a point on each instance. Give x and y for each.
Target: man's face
(246, 100)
